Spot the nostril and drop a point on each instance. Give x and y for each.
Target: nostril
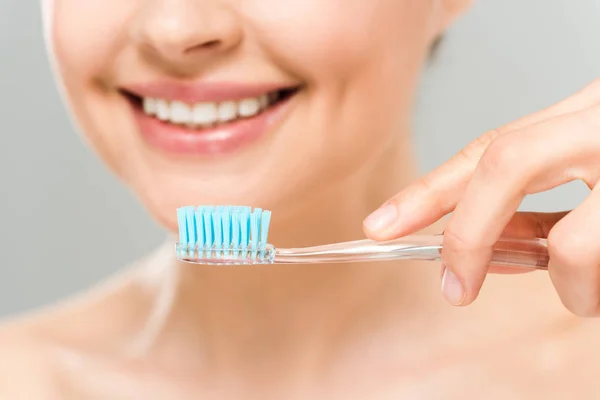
(208, 45)
(211, 43)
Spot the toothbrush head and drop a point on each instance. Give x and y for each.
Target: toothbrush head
(224, 235)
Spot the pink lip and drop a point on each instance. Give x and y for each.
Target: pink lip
(218, 140)
(203, 92)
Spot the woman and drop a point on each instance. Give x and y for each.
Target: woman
(304, 108)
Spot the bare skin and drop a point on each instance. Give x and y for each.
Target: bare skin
(165, 330)
(518, 347)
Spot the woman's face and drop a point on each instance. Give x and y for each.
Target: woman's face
(253, 102)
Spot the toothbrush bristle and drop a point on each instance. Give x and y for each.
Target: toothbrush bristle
(224, 231)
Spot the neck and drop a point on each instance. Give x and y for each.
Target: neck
(240, 311)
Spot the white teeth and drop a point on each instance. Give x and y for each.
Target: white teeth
(204, 114)
(163, 111)
(181, 113)
(227, 111)
(248, 107)
(149, 105)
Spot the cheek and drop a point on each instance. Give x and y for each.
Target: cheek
(86, 34)
(333, 40)
(361, 60)
(306, 36)
(84, 38)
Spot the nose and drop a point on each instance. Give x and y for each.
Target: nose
(185, 31)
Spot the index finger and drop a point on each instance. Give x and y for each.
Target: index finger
(436, 194)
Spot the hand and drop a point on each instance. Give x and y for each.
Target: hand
(484, 185)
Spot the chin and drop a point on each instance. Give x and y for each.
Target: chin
(162, 197)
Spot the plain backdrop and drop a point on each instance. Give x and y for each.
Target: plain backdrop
(66, 223)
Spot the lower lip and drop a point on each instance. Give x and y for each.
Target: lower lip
(221, 139)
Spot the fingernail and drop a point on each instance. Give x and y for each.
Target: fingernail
(381, 218)
(452, 288)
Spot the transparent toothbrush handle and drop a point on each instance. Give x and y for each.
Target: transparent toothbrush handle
(520, 253)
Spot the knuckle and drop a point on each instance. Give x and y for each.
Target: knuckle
(457, 241)
(425, 184)
(501, 156)
(474, 150)
(421, 187)
(566, 249)
(585, 131)
(488, 137)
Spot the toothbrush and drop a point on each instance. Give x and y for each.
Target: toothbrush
(237, 235)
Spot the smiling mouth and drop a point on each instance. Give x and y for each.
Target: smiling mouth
(206, 115)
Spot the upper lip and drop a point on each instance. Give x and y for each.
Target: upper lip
(202, 92)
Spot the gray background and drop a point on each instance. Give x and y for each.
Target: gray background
(67, 223)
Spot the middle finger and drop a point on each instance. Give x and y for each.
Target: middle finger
(524, 162)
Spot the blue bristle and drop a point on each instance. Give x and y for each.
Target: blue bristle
(226, 220)
(208, 229)
(235, 230)
(246, 210)
(244, 231)
(199, 227)
(254, 228)
(191, 225)
(256, 216)
(182, 224)
(225, 230)
(217, 231)
(264, 228)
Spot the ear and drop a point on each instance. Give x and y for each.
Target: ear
(447, 11)
(47, 9)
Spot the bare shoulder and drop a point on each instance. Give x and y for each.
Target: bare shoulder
(25, 370)
(33, 346)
